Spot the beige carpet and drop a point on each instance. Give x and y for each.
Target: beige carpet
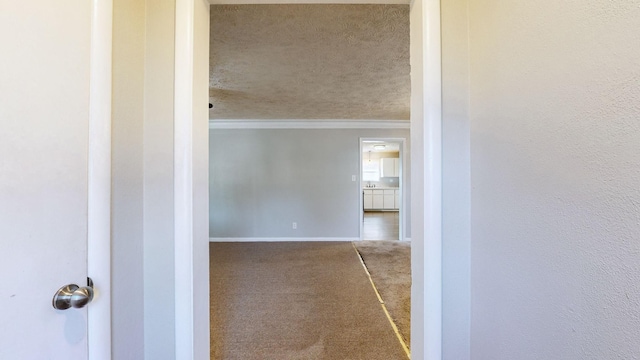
(389, 263)
(295, 300)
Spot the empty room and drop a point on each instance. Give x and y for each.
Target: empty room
(295, 91)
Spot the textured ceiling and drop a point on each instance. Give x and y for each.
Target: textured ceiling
(310, 62)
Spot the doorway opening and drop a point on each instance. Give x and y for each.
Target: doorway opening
(400, 194)
(381, 191)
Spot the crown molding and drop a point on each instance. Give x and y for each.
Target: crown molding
(308, 124)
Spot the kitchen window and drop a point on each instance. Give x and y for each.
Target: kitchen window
(370, 170)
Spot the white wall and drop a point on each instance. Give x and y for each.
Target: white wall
(143, 240)
(144, 273)
(555, 179)
(127, 179)
(455, 181)
(201, 328)
(159, 289)
(262, 180)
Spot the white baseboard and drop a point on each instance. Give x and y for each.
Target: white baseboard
(283, 239)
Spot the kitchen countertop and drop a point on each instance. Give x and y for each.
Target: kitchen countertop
(380, 188)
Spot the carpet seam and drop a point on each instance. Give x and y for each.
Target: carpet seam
(382, 304)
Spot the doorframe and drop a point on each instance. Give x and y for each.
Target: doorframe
(426, 179)
(99, 180)
(426, 173)
(401, 184)
(427, 168)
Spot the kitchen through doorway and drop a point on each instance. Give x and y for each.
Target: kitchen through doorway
(381, 190)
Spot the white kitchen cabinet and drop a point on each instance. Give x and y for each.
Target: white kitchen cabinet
(388, 202)
(378, 199)
(389, 167)
(368, 199)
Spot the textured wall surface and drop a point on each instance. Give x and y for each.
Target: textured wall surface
(310, 62)
(555, 179)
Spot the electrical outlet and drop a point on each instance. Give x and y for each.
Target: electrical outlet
(294, 225)
(353, 178)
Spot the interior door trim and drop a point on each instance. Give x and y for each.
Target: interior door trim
(404, 180)
(426, 180)
(99, 181)
(426, 173)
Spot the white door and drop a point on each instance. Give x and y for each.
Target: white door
(44, 112)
